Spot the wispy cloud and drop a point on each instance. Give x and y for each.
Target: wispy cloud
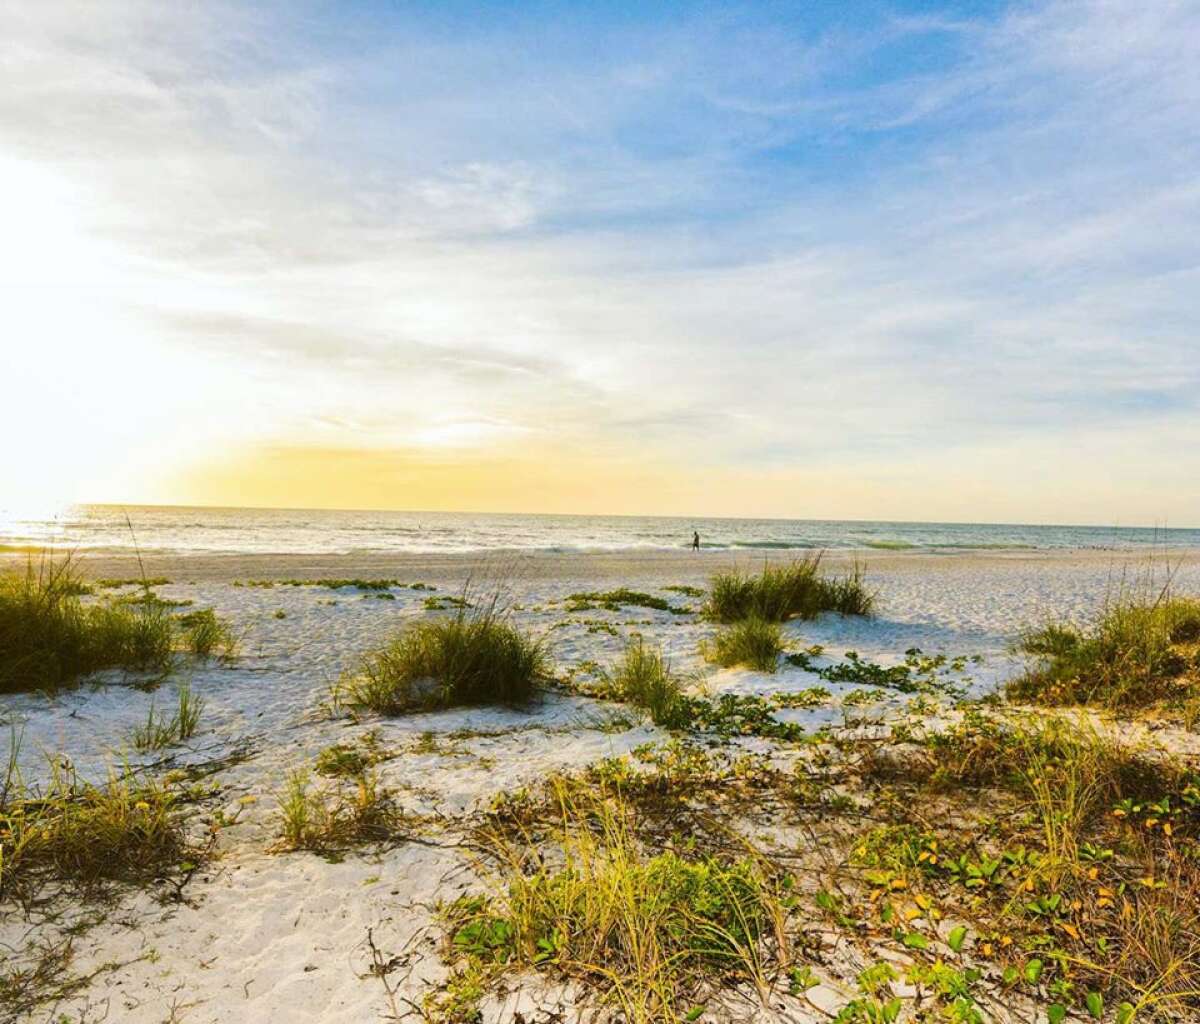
(742, 239)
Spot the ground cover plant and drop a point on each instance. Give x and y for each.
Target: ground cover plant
(475, 656)
(1081, 885)
(623, 597)
(656, 931)
(797, 589)
(1143, 647)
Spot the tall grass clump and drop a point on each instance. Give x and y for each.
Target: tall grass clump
(658, 935)
(48, 637)
(475, 656)
(325, 819)
(796, 590)
(643, 677)
(83, 834)
(1140, 648)
(754, 642)
(205, 634)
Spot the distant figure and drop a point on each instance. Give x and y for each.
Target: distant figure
(695, 540)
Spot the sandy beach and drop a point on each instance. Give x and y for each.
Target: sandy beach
(262, 936)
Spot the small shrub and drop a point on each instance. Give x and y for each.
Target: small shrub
(473, 657)
(754, 642)
(796, 590)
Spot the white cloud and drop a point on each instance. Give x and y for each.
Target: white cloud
(709, 240)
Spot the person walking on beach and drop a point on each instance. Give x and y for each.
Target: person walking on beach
(695, 540)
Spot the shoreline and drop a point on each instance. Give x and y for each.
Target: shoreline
(602, 565)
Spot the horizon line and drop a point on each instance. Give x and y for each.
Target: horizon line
(630, 515)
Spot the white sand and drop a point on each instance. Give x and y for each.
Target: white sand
(267, 937)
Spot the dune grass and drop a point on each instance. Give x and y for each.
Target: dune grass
(754, 642)
(654, 933)
(48, 637)
(475, 656)
(797, 589)
(206, 634)
(160, 730)
(1141, 648)
(354, 808)
(643, 677)
(80, 834)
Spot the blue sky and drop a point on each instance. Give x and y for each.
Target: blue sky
(917, 260)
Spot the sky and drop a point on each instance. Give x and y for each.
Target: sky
(858, 260)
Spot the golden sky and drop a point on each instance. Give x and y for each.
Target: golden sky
(705, 262)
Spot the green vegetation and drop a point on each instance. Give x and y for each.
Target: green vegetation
(116, 584)
(160, 731)
(444, 603)
(351, 810)
(685, 590)
(206, 634)
(643, 677)
(1139, 650)
(48, 637)
(796, 590)
(615, 600)
(81, 834)
(651, 931)
(1082, 879)
(754, 642)
(473, 657)
(917, 673)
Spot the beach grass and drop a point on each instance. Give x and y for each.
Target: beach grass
(1140, 648)
(643, 677)
(754, 642)
(48, 637)
(161, 730)
(652, 931)
(475, 656)
(206, 634)
(82, 834)
(353, 809)
(798, 589)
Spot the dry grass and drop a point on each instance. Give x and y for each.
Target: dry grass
(81, 834)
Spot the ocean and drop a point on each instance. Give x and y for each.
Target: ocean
(243, 530)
